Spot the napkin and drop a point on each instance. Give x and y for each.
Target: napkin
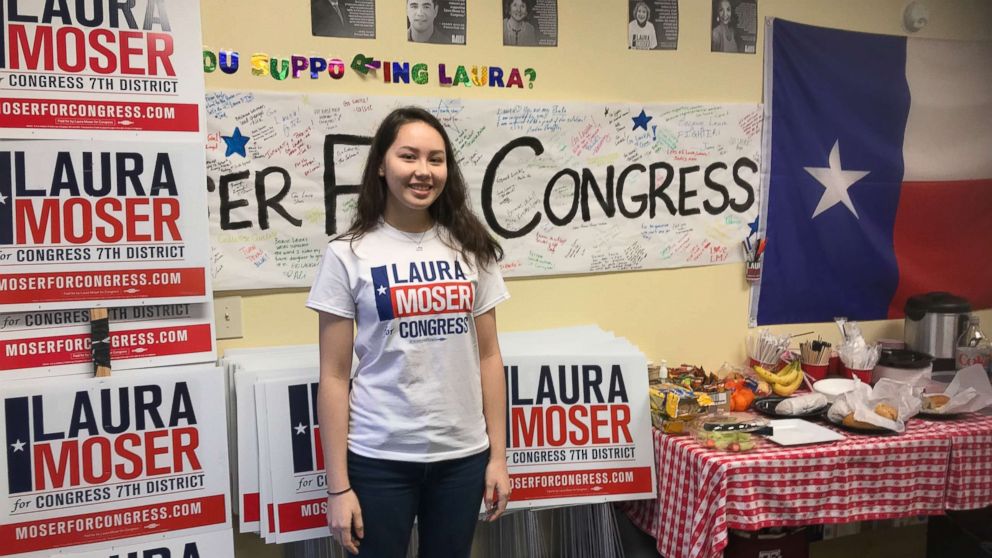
(863, 398)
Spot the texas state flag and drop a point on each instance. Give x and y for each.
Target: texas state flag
(878, 173)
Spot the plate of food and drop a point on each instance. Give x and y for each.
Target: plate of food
(732, 432)
(851, 424)
(810, 405)
(933, 404)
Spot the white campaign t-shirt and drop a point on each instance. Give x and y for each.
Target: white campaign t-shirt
(417, 392)
(641, 37)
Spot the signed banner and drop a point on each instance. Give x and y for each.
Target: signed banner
(564, 187)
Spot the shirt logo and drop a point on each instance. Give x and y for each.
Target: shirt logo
(423, 288)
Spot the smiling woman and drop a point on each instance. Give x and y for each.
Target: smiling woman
(417, 273)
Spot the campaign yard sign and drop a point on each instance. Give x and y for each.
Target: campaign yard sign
(215, 544)
(578, 419)
(92, 460)
(292, 457)
(79, 70)
(247, 374)
(57, 342)
(101, 224)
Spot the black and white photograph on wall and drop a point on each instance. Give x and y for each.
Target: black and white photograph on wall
(653, 24)
(349, 19)
(440, 22)
(530, 22)
(734, 26)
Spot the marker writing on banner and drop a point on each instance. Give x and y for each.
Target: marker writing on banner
(662, 188)
(653, 199)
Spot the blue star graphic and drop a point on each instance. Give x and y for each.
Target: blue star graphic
(641, 121)
(236, 143)
(753, 225)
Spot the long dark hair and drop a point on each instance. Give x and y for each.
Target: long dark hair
(450, 209)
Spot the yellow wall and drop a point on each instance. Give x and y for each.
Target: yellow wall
(696, 315)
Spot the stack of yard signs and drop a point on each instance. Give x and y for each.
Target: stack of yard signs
(578, 428)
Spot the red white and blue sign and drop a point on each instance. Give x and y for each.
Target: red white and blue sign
(84, 225)
(428, 287)
(79, 70)
(878, 179)
(87, 461)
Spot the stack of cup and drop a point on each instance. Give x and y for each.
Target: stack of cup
(815, 357)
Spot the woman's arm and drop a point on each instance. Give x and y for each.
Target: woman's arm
(344, 516)
(494, 409)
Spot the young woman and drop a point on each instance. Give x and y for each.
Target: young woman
(420, 430)
(723, 38)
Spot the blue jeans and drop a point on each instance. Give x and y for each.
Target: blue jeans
(445, 497)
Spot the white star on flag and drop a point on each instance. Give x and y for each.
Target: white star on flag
(18, 445)
(3, 199)
(835, 181)
(382, 290)
(300, 429)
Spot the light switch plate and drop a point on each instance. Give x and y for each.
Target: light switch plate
(227, 317)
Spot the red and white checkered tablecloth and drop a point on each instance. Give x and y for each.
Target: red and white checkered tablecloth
(934, 466)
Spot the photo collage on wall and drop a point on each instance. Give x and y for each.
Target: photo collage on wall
(651, 24)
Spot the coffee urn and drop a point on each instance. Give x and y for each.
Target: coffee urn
(933, 323)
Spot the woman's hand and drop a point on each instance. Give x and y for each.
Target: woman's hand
(497, 489)
(344, 519)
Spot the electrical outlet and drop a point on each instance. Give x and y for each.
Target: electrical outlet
(227, 317)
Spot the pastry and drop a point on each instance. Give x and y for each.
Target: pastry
(887, 411)
(850, 422)
(935, 401)
(882, 410)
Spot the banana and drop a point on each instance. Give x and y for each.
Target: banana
(766, 375)
(788, 378)
(785, 376)
(786, 390)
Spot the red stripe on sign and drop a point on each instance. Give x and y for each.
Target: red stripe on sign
(297, 516)
(250, 510)
(272, 518)
(65, 286)
(940, 238)
(111, 525)
(592, 482)
(100, 115)
(124, 345)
